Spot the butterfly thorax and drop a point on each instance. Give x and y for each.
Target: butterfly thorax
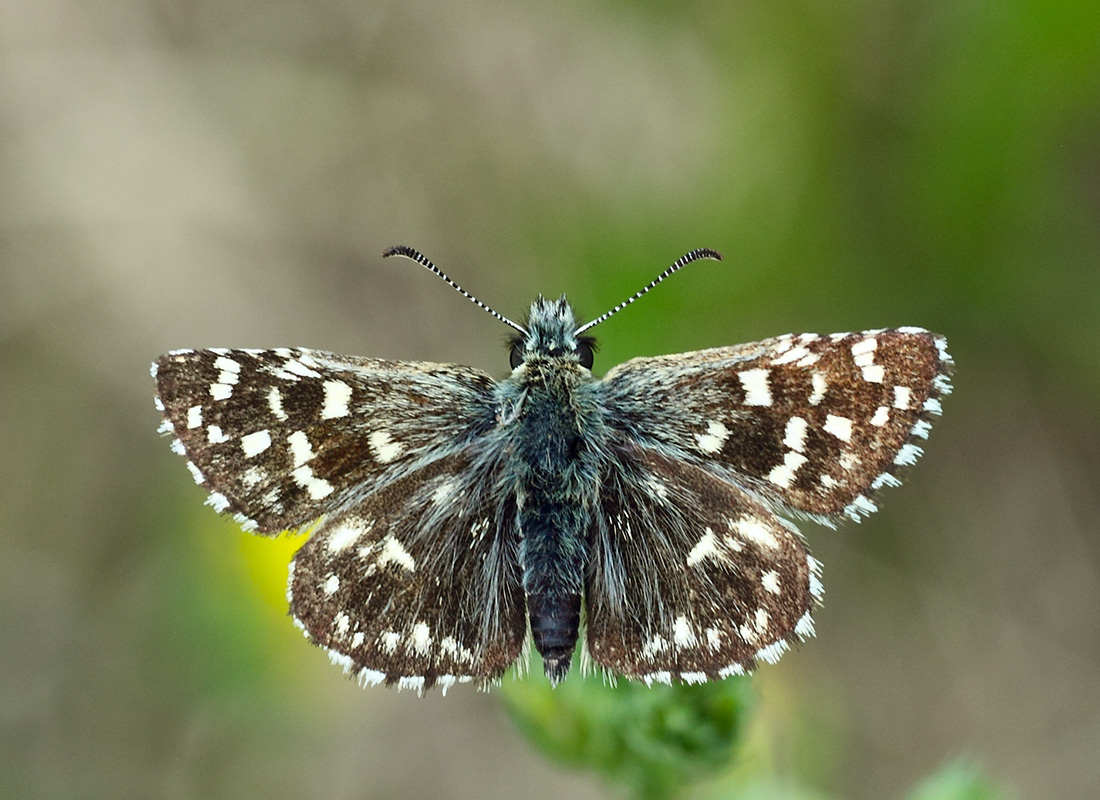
(550, 416)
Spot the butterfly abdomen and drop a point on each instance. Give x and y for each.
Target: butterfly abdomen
(552, 495)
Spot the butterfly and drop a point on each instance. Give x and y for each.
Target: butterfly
(643, 515)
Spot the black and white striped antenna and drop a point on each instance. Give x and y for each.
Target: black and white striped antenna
(415, 255)
(681, 262)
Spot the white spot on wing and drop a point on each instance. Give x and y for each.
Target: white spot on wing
(706, 547)
(794, 435)
(394, 552)
(297, 367)
(331, 584)
(760, 621)
(384, 448)
(655, 644)
(848, 460)
(873, 373)
(227, 378)
(341, 624)
(275, 403)
(227, 365)
(449, 646)
(770, 580)
(388, 640)
(840, 427)
(784, 474)
(214, 435)
(682, 634)
(318, 488)
(301, 450)
(757, 390)
(714, 438)
(344, 535)
(792, 355)
(820, 384)
(421, 638)
(753, 530)
(337, 397)
(255, 443)
(901, 396)
(881, 416)
(443, 492)
(864, 346)
(194, 417)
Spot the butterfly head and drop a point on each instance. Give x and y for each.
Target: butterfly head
(551, 334)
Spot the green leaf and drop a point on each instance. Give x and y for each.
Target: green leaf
(651, 741)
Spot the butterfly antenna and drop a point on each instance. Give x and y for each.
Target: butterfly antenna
(415, 255)
(681, 262)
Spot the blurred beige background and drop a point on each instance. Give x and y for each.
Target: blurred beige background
(186, 174)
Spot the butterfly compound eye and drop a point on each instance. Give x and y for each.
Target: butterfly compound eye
(586, 353)
(516, 356)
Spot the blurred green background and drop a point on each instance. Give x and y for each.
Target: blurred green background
(187, 174)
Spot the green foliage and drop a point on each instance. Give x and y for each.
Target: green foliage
(667, 741)
(651, 741)
(958, 781)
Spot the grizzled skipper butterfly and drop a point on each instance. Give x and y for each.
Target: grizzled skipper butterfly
(638, 513)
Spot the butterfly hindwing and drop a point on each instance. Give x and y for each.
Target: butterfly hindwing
(418, 584)
(279, 437)
(813, 424)
(690, 577)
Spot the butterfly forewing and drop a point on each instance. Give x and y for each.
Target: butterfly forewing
(810, 423)
(690, 577)
(281, 436)
(418, 584)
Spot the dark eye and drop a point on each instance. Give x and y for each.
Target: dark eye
(516, 357)
(585, 353)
